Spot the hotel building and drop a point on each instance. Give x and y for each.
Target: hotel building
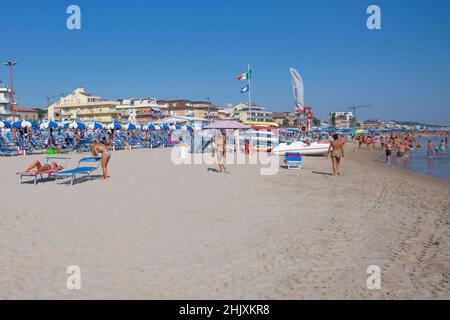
(141, 111)
(82, 106)
(243, 113)
(5, 103)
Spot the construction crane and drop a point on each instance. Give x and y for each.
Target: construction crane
(354, 108)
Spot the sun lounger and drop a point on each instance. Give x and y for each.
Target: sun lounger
(293, 159)
(80, 170)
(49, 173)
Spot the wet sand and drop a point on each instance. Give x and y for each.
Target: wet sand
(156, 230)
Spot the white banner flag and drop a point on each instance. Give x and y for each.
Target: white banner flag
(299, 92)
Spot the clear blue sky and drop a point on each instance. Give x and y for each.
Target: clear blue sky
(195, 49)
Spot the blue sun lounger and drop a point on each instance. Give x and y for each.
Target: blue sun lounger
(293, 159)
(80, 170)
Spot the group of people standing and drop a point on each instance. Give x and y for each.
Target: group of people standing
(402, 145)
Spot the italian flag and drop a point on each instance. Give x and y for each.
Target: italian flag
(245, 75)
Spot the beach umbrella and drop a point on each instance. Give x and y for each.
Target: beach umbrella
(130, 126)
(5, 124)
(177, 127)
(114, 125)
(75, 125)
(157, 128)
(34, 124)
(150, 127)
(187, 128)
(96, 125)
(49, 124)
(165, 127)
(21, 124)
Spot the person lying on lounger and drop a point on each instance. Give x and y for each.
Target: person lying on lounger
(37, 167)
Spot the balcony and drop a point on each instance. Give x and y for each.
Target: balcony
(97, 112)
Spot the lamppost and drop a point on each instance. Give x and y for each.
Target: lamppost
(11, 64)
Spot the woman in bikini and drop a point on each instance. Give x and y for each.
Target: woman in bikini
(106, 156)
(37, 167)
(337, 153)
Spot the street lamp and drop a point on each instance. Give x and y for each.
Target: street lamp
(11, 64)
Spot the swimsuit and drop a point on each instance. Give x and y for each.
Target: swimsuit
(336, 153)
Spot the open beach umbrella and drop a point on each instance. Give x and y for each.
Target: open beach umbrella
(227, 124)
(165, 127)
(186, 127)
(96, 125)
(5, 124)
(34, 124)
(130, 126)
(75, 125)
(49, 124)
(21, 124)
(150, 127)
(114, 125)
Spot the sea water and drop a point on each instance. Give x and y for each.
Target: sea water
(438, 166)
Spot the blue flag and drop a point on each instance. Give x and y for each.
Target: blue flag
(245, 89)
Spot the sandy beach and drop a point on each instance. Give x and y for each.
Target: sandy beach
(160, 231)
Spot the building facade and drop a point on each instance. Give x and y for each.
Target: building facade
(82, 106)
(5, 103)
(344, 120)
(141, 111)
(188, 108)
(373, 124)
(243, 113)
(284, 118)
(26, 113)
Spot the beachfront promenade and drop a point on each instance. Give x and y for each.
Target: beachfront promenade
(156, 230)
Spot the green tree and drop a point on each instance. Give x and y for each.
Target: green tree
(333, 120)
(286, 123)
(316, 122)
(42, 113)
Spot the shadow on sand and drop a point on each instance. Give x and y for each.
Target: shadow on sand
(323, 173)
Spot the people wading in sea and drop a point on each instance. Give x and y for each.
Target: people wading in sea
(430, 149)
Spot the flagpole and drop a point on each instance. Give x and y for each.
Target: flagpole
(249, 92)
